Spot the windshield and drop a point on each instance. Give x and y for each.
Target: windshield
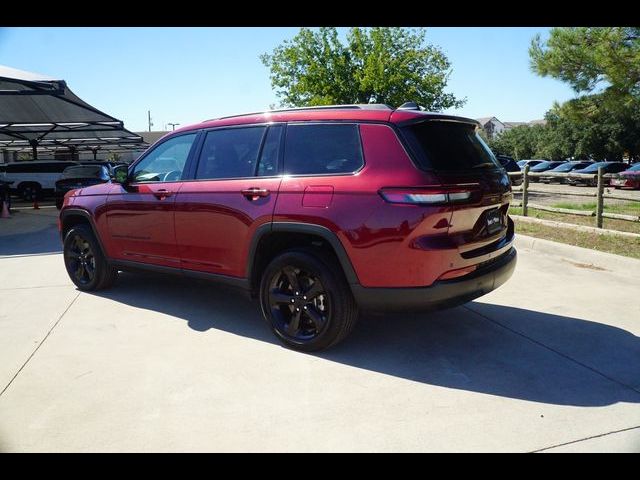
(594, 167)
(449, 146)
(544, 166)
(634, 168)
(567, 167)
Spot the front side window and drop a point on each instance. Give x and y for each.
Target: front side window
(268, 165)
(230, 153)
(322, 149)
(166, 162)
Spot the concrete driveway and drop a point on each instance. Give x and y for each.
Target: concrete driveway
(550, 361)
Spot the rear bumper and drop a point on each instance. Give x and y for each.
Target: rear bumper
(516, 180)
(625, 182)
(442, 294)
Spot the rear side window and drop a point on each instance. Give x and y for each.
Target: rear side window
(322, 149)
(449, 146)
(230, 153)
(44, 167)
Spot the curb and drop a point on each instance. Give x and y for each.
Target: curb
(608, 261)
(571, 226)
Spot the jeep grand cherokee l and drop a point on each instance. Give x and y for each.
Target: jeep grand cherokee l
(317, 212)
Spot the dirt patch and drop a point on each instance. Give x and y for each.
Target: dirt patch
(589, 266)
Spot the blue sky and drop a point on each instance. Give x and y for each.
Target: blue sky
(186, 75)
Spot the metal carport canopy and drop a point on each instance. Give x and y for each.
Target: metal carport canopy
(36, 110)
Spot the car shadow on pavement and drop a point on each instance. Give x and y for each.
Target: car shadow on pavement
(30, 232)
(485, 348)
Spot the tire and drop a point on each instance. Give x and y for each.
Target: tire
(325, 318)
(85, 262)
(30, 191)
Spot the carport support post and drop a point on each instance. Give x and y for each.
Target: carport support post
(525, 192)
(600, 205)
(34, 149)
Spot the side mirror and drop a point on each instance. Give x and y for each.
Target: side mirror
(120, 174)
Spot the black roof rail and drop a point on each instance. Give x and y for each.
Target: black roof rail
(363, 106)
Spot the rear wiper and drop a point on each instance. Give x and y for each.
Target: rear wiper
(486, 164)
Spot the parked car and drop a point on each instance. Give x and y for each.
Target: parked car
(318, 212)
(589, 176)
(543, 167)
(79, 176)
(558, 174)
(34, 179)
(531, 163)
(512, 168)
(629, 178)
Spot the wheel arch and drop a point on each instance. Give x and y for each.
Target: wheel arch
(28, 183)
(70, 217)
(272, 238)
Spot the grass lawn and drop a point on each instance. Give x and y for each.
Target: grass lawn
(628, 208)
(610, 223)
(629, 247)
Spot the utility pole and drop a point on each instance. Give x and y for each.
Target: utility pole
(150, 122)
(173, 125)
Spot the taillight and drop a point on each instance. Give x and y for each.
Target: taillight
(442, 195)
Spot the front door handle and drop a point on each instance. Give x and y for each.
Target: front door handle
(162, 193)
(254, 193)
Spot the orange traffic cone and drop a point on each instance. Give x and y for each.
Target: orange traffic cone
(5, 211)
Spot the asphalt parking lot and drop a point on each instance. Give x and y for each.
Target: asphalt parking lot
(550, 361)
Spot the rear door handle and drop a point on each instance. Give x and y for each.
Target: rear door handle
(254, 193)
(162, 193)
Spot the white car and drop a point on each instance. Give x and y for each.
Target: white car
(32, 178)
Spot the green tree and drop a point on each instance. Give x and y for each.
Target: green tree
(592, 127)
(519, 142)
(376, 65)
(113, 157)
(605, 60)
(590, 57)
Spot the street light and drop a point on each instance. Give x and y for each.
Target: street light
(173, 125)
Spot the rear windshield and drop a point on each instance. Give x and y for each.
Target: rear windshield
(449, 146)
(88, 171)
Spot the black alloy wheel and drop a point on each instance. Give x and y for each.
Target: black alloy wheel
(29, 193)
(298, 303)
(85, 263)
(80, 259)
(306, 299)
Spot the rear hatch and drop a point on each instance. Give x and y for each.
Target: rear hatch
(81, 176)
(463, 163)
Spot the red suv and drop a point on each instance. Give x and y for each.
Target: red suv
(318, 212)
